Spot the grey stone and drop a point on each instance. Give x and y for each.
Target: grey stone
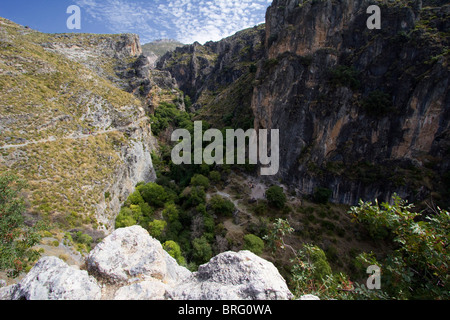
(234, 276)
(53, 279)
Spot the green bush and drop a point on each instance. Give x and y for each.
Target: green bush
(153, 194)
(260, 208)
(125, 218)
(418, 266)
(202, 251)
(156, 228)
(200, 180)
(193, 197)
(345, 76)
(322, 195)
(378, 104)
(174, 250)
(170, 213)
(276, 197)
(222, 206)
(215, 176)
(254, 244)
(16, 239)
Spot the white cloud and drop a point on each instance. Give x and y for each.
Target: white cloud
(185, 20)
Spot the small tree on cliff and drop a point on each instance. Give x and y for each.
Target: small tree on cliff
(16, 239)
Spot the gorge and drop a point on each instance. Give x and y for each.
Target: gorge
(86, 120)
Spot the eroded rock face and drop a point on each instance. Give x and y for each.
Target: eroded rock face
(131, 265)
(329, 137)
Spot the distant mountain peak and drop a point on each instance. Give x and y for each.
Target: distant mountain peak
(157, 48)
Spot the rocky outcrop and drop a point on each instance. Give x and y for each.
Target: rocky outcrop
(234, 276)
(130, 265)
(130, 255)
(204, 70)
(53, 279)
(158, 48)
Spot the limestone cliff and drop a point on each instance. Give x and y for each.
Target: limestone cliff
(218, 76)
(362, 112)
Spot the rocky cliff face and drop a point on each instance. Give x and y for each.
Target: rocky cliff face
(218, 76)
(130, 265)
(362, 112)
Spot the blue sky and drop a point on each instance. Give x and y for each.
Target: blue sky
(183, 20)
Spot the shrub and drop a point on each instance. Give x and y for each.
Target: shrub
(202, 251)
(378, 104)
(345, 76)
(260, 208)
(156, 228)
(193, 197)
(16, 239)
(418, 267)
(311, 272)
(174, 250)
(134, 199)
(187, 102)
(254, 244)
(276, 197)
(222, 206)
(125, 218)
(153, 194)
(322, 195)
(215, 176)
(170, 213)
(200, 180)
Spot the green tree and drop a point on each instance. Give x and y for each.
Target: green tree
(16, 239)
(200, 180)
(418, 266)
(156, 228)
(215, 176)
(153, 194)
(322, 195)
(202, 251)
(222, 206)
(193, 197)
(254, 244)
(276, 197)
(170, 212)
(134, 199)
(125, 218)
(174, 250)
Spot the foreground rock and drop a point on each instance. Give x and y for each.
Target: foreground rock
(131, 265)
(53, 279)
(130, 254)
(234, 276)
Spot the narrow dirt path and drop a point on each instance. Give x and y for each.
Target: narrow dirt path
(53, 139)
